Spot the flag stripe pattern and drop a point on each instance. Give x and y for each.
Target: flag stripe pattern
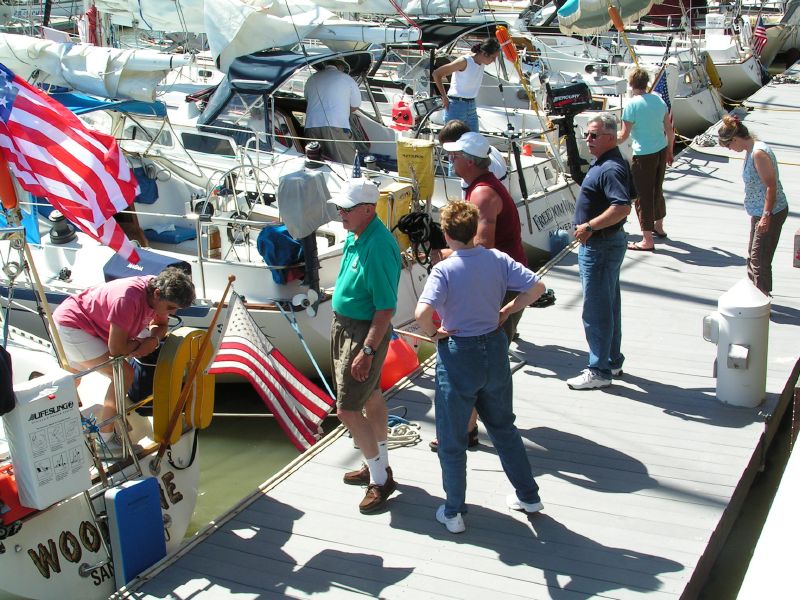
(54, 155)
(759, 39)
(298, 405)
(660, 88)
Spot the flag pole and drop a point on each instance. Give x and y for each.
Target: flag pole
(8, 195)
(155, 465)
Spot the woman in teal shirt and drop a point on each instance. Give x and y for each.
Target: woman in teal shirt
(646, 120)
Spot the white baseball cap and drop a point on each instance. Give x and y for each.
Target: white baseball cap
(355, 192)
(471, 143)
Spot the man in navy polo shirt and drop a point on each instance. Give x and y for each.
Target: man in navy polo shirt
(602, 206)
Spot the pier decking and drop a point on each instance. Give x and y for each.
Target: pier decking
(640, 481)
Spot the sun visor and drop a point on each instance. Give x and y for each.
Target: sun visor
(149, 263)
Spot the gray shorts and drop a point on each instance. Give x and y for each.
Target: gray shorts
(347, 339)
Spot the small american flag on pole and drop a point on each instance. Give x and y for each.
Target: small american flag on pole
(54, 155)
(298, 405)
(759, 39)
(660, 89)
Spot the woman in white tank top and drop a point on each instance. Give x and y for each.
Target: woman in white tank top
(466, 73)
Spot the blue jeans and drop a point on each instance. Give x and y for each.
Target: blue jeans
(474, 372)
(599, 261)
(463, 110)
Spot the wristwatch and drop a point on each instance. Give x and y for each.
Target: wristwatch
(588, 227)
(368, 350)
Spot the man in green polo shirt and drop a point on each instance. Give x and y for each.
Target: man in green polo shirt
(364, 301)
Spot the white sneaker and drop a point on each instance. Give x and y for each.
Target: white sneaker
(515, 503)
(588, 380)
(617, 372)
(453, 524)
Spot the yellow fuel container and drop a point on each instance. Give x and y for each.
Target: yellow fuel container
(395, 201)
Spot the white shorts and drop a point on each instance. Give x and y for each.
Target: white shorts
(80, 346)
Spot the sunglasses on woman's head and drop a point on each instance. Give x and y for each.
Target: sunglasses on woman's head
(725, 143)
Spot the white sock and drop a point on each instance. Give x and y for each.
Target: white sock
(377, 470)
(383, 452)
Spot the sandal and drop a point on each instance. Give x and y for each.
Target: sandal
(660, 234)
(637, 246)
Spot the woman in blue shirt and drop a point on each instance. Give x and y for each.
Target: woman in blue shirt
(764, 199)
(646, 120)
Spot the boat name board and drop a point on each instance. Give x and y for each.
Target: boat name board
(47, 556)
(544, 219)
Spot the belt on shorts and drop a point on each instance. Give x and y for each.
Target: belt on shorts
(459, 99)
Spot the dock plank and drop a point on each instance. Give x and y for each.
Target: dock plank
(640, 481)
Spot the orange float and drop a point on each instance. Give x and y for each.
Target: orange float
(506, 45)
(8, 194)
(401, 359)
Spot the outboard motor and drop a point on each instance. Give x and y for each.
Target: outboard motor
(563, 103)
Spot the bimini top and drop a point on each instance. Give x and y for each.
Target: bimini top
(439, 33)
(264, 72)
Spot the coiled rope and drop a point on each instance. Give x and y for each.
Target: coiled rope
(424, 234)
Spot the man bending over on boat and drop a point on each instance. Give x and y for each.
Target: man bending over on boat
(126, 316)
(364, 300)
(331, 95)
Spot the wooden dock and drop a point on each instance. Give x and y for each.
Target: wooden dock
(641, 482)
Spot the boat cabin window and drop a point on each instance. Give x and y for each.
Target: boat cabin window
(208, 143)
(244, 118)
(161, 137)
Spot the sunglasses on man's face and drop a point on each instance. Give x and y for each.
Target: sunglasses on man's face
(593, 136)
(346, 210)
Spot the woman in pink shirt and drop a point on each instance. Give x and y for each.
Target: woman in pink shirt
(123, 317)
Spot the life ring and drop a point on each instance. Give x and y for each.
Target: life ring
(180, 349)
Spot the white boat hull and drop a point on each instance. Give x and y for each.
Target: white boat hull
(52, 556)
(740, 79)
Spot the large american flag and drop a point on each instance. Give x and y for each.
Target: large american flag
(54, 155)
(759, 39)
(298, 405)
(660, 88)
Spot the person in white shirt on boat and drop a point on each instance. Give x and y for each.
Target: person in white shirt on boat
(331, 95)
(452, 132)
(466, 75)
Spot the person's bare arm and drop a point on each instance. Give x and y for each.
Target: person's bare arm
(458, 64)
(489, 206)
(610, 216)
(381, 321)
(766, 173)
(625, 132)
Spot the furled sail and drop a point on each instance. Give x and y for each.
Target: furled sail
(106, 72)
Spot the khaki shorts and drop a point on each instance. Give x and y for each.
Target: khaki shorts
(80, 346)
(347, 339)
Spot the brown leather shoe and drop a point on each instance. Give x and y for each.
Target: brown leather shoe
(377, 495)
(361, 477)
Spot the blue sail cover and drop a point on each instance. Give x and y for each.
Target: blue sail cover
(82, 103)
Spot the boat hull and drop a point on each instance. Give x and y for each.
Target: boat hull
(58, 554)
